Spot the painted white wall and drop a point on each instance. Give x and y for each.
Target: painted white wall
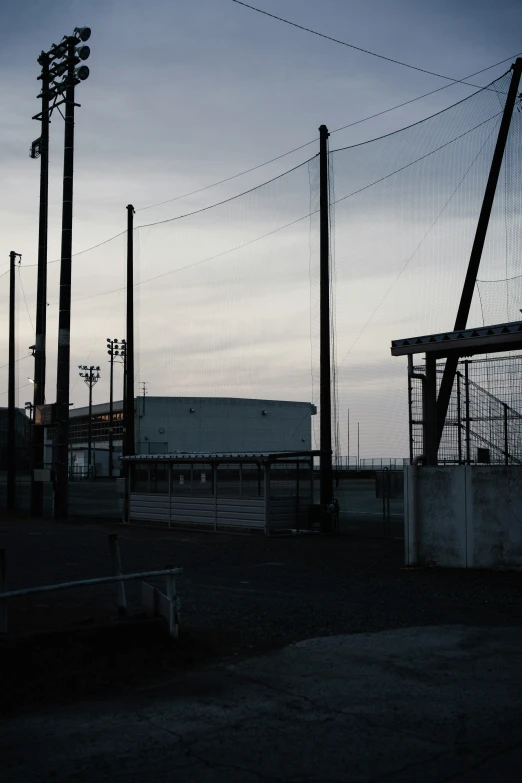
(224, 424)
(468, 516)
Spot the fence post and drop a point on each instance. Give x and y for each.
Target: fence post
(3, 601)
(506, 441)
(459, 419)
(117, 571)
(173, 607)
(466, 389)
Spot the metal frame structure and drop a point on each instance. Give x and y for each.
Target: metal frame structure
(451, 346)
(264, 510)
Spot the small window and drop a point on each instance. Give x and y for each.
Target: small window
(140, 478)
(159, 479)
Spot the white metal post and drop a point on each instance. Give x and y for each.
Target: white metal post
(117, 571)
(173, 604)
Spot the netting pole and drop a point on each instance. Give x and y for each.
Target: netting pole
(326, 471)
(430, 420)
(461, 320)
(37, 435)
(129, 444)
(11, 424)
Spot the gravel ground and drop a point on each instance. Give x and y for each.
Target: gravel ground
(240, 595)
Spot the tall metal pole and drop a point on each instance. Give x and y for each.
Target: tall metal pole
(11, 422)
(111, 410)
(41, 293)
(89, 427)
(348, 457)
(128, 416)
(326, 472)
(478, 245)
(468, 422)
(64, 318)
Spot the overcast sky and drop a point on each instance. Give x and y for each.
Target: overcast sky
(181, 95)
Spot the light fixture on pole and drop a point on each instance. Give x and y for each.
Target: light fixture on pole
(91, 376)
(62, 76)
(115, 348)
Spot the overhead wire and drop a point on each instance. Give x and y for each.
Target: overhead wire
(351, 46)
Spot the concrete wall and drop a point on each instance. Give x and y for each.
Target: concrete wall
(467, 516)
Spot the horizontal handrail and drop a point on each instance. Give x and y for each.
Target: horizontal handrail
(84, 582)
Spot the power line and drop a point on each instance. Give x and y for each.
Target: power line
(293, 222)
(337, 130)
(25, 300)
(20, 359)
(351, 46)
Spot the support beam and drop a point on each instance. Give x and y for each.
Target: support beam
(478, 244)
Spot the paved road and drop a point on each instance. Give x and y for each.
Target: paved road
(429, 704)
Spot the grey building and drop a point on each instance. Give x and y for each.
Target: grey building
(166, 425)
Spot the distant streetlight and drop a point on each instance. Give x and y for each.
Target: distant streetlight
(115, 348)
(91, 376)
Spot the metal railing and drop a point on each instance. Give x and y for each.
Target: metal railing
(171, 600)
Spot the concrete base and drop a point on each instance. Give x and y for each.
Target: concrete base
(466, 516)
(419, 704)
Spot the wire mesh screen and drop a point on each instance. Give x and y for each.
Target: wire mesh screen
(227, 293)
(484, 420)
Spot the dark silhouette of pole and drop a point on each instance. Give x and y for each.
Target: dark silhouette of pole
(11, 421)
(326, 472)
(64, 318)
(128, 415)
(37, 434)
(91, 376)
(111, 412)
(450, 369)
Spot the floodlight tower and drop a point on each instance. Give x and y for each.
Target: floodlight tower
(66, 58)
(91, 376)
(115, 348)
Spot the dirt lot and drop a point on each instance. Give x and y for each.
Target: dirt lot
(240, 595)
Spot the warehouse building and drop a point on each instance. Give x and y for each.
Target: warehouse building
(168, 425)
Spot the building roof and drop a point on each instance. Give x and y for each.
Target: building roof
(221, 456)
(102, 408)
(467, 342)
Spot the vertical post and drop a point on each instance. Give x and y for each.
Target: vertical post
(326, 473)
(89, 428)
(3, 601)
(11, 422)
(117, 571)
(459, 420)
(478, 243)
(506, 439)
(410, 408)
(129, 440)
(430, 420)
(466, 394)
(64, 318)
(173, 604)
(348, 450)
(111, 411)
(38, 433)
(267, 498)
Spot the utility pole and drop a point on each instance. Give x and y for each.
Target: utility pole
(91, 376)
(128, 414)
(41, 147)
(73, 57)
(450, 368)
(11, 421)
(326, 472)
